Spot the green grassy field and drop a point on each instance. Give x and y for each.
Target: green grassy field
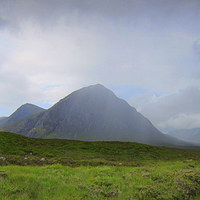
(163, 180)
(72, 170)
(20, 150)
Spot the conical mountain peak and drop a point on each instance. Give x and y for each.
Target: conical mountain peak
(93, 113)
(25, 110)
(99, 88)
(96, 88)
(98, 85)
(28, 105)
(97, 92)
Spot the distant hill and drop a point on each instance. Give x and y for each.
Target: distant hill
(93, 113)
(190, 135)
(21, 150)
(23, 111)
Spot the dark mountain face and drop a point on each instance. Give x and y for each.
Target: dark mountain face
(22, 112)
(2, 120)
(190, 135)
(93, 113)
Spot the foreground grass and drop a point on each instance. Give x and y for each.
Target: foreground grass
(178, 180)
(20, 150)
(41, 169)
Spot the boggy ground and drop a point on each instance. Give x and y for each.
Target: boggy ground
(179, 180)
(41, 169)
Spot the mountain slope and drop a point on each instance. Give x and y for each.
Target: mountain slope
(93, 113)
(2, 120)
(22, 112)
(190, 135)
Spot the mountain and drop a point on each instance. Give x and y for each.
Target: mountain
(93, 113)
(2, 120)
(190, 135)
(22, 112)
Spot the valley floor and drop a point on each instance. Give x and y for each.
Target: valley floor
(41, 169)
(166, 180)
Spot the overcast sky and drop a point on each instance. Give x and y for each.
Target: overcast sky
(146, 51)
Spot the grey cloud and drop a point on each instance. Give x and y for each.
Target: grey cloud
(179, 121)
(70, 43)
(197, 47)
(5, 24)
(161, 13)
(179, 110)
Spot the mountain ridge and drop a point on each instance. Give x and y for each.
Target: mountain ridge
(93, 113)
(23, 111)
